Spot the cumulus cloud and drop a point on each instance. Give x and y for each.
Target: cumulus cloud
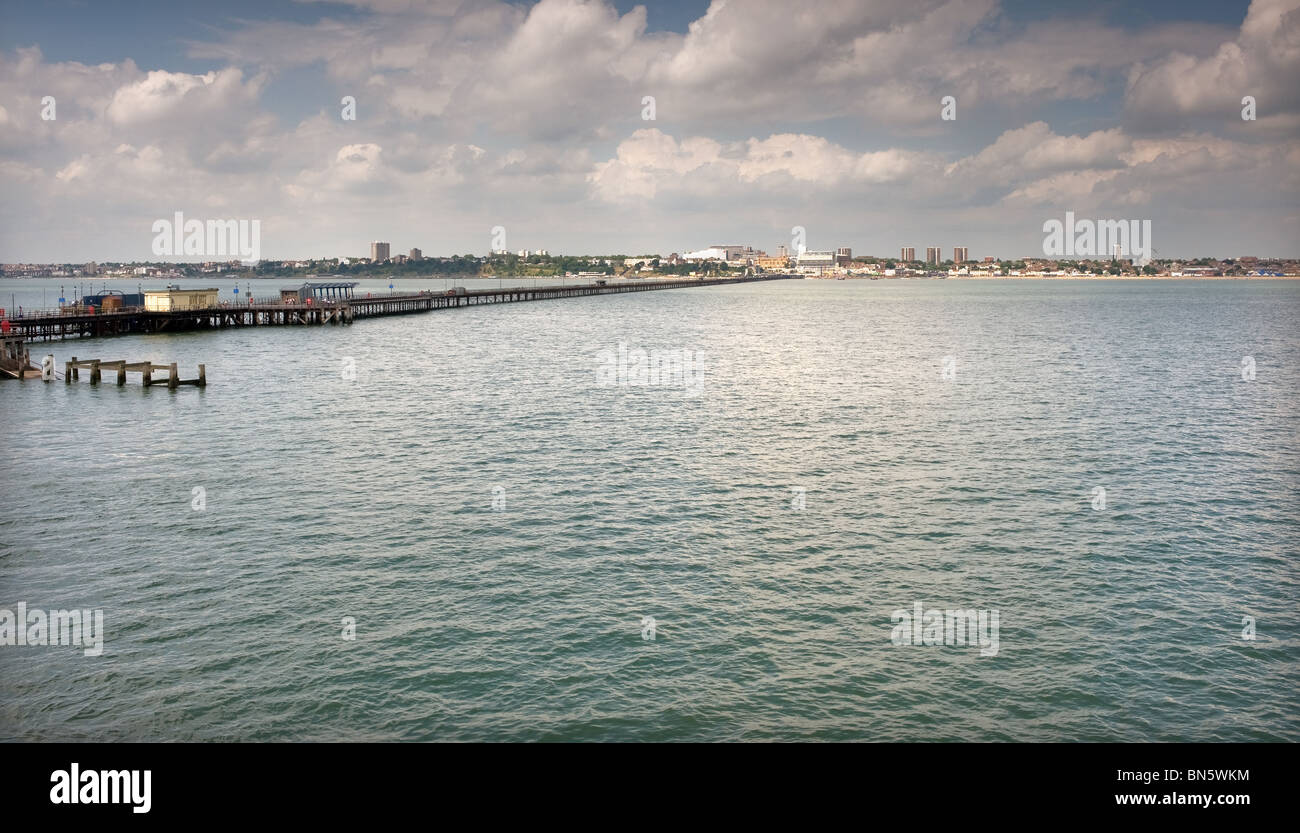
(651, 161)
(474, 114)
(171, 95)
(1263, 61)
(1034, 150)
(572, 68)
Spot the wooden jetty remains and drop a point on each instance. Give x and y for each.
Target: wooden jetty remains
(76, 323)
(72, 370)
(16, 360)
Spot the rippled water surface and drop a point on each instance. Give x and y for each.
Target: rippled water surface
(373, 498)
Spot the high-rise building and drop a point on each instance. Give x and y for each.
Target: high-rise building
(960, 254)
(909, 254)
(932, 254)
(378, 252)
(416, 254)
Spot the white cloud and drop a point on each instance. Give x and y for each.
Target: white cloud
(477, 114)
(1263, 61)
(162, 94)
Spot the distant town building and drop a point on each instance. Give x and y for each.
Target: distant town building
(816, 262)
(416, 254)
(378, 252)
(960, 254)
(727, 253)
(909, 254)
(772, 263)
(933, 254)
(843, 255)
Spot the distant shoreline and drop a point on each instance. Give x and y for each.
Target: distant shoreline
(1118, 278)
(1073, 278)
(471, 277)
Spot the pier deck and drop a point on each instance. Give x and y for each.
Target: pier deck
(76, 324)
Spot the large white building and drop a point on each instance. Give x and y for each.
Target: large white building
(711, 253)
(815, 262)
(379, 252)
(718, 252)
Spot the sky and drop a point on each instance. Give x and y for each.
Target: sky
(531, 118)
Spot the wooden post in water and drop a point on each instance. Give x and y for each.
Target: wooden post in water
(76, 374)
(121, 374)
(94, 372)
(173, 378)
(147, 375)
(67, 373)
(203, 376)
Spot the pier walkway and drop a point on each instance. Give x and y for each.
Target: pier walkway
(76, 323)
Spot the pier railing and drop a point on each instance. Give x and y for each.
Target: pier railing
(76, 322)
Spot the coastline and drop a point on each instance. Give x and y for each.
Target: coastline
(1074, 278)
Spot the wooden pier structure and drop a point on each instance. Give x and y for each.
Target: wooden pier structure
(75, 323)
(72, 370)
(16, 360)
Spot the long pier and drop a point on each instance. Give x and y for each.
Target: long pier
(77, 324)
